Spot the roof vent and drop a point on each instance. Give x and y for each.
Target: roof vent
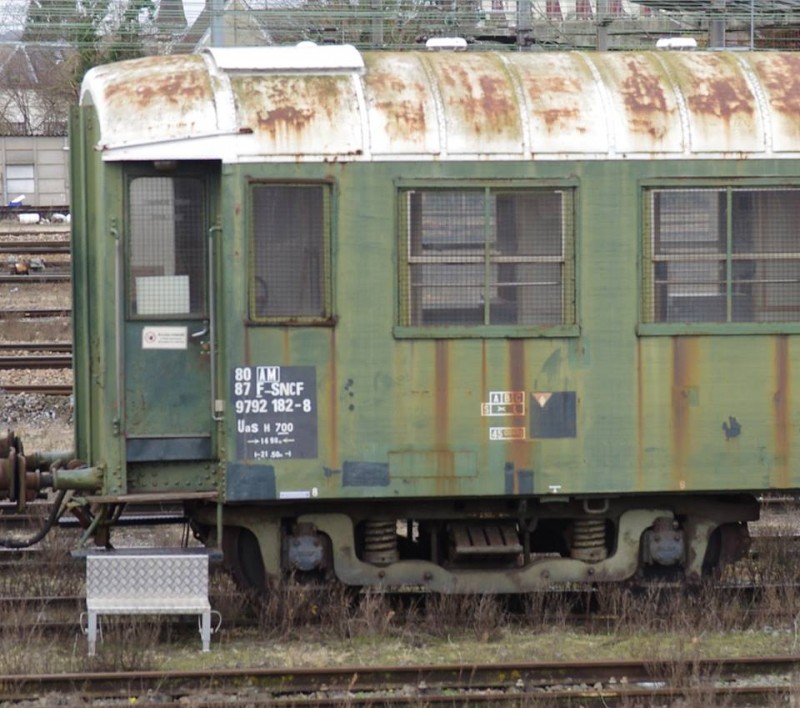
(679, 43)
(453, 44)
(305, 57)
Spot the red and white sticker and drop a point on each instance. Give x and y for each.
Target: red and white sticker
(165, 338)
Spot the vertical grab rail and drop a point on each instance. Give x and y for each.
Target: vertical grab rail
(119, 316)
(212, 322)
(212, 351)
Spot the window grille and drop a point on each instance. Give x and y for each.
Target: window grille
(290, 268)
(721, 255)
(167, 245)
(486, 256)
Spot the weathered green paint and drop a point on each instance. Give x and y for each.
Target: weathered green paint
(424, 396)
(86, 479)
(651, 401)
(662, 412)
(167, 392)
(95, 226)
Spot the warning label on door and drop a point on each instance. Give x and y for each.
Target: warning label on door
(276, 412)
(164, 338)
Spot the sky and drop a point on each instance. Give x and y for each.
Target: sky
(12, 15)
(192, 8)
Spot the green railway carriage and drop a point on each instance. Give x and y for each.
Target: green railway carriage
(470, 321)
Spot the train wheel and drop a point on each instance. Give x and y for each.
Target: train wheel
(243, 557)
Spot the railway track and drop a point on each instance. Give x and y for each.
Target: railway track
(58, 356)
(240, 609)
(33, 313)
(35, 270)
(36, 346)
(552, 683)
(37, 247)
(31, 278)
(36, 361)
(19, 244)
(30, 244)
(42, 389)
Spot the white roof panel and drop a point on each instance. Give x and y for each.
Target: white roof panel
(308, 103)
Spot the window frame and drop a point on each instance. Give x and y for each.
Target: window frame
(329, 201)
(188, 172)
(570, 256)
(30, 182)
(646, 326)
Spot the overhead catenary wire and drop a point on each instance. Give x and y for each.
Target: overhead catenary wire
(120, 28)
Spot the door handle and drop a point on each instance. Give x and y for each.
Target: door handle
(200, 333)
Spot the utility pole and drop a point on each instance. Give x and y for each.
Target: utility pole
(603, 21)
(716, 26)
(524, 26)
(377, 23)
(217, 29)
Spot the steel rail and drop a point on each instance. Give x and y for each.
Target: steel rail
(37, 361)
(507, 681)
(36, 346)
(7, 211)
(36, 278)
(44, 389)
(26, 247)
(31, 313)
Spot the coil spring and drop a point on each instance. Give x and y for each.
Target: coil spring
(380, 542)
(589, 540)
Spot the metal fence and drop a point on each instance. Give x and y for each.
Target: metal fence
(544, 24)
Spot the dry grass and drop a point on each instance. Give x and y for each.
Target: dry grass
(298, 624)
(128, 644)
(302, 624)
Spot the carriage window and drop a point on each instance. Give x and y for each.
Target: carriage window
(487, 257)
(289, 268)
(20, 180)
(722, 255)
(166, 250)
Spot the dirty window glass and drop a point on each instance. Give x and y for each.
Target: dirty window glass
(166, 247)
(20, 181)
(486, 257)
(722, 255)
(289, 265)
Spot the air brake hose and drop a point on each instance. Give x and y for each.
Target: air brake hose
(39, 535)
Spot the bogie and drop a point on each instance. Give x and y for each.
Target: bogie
(490, 552)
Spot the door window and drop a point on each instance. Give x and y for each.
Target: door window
(166, 249)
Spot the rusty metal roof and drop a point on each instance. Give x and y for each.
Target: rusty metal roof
(332, 103)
